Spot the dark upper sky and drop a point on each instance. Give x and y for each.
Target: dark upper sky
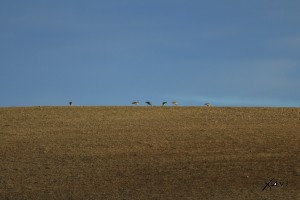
(113, 52)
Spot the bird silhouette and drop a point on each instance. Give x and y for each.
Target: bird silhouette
(208, 104)
(135, 103)
(149, 103)
(175, 103)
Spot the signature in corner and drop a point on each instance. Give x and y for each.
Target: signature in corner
(275, 183)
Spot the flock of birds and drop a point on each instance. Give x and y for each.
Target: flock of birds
(175, 103)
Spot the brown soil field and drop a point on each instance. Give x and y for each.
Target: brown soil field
(149, 153)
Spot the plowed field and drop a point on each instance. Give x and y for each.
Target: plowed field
(149, 153)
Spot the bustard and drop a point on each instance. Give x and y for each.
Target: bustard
(164, 103)
(175, 103)
(208, 104)
(149, 103)
(135, 103)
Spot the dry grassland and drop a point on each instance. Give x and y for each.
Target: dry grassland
(149, 153)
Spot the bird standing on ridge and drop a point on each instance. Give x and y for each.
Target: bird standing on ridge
(149, 103)
(70, 103)
(208, 104)
(164, 103)
(135, 103)
(175, 103)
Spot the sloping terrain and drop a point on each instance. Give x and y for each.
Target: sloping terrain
(149, 153)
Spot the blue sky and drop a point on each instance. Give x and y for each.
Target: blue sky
(113, 52)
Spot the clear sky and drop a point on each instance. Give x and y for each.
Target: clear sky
(113, 52)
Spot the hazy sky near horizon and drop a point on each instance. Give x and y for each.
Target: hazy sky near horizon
(113, 52)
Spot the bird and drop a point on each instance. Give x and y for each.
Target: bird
(208, 104)
(175, 103)
(70, 103)
(149, 103)
(135, 103)
(164, 103)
